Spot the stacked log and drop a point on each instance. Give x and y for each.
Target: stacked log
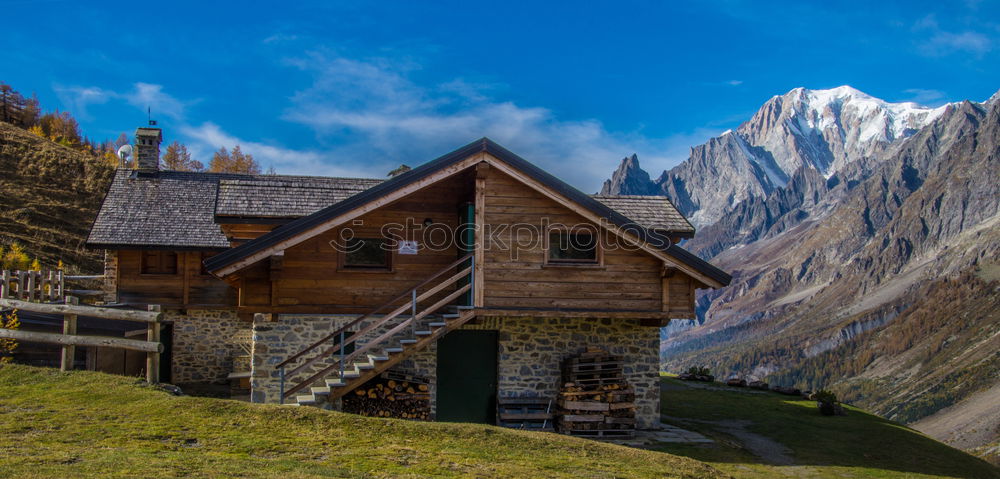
(595, 400)
(391, 396)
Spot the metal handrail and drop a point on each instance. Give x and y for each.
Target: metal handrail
(338, 349)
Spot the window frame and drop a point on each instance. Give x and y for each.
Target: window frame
(144, 262)
(390, 257)
(594, 233)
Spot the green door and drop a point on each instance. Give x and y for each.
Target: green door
(467, 376)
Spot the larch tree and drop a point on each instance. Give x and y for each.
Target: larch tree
(233, 162)
(178, 158)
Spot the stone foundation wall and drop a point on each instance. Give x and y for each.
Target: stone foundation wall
(274, 341)
(204, 345)
(530, 353)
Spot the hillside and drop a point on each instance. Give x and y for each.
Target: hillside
(761, 434)
(49, 195)
(86, 424)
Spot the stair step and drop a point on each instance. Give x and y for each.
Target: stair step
(465, 308)
(450, 315)
(320, 390)
(363, 366)
(393, 350)
(350, 375)
(438, 324)
(291, 404)
(377, 357)
(305, 399)
(423, 333)
(407, 341)
(333, 383)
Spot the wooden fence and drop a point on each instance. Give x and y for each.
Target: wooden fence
(71, 310)
(42, 286)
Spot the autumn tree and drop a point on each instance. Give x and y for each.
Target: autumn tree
(234, 161)
(177, 158)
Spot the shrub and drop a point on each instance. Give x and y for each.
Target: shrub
(7, 346)
(827, 402)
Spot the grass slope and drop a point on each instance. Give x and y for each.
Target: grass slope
(746, 423)
(49, 196)
(85, 424)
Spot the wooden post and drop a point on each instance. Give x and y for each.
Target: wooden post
(482, 171)
(153, 359)
(69, 327)
(4, 283)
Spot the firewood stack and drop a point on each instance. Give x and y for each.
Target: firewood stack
(595, 400)
(391, 395)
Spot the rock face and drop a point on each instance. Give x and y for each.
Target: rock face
(629, 179)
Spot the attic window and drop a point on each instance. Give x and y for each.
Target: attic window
(367, 254)
(576, 246)
(159, 262)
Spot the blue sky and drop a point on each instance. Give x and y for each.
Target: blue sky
(356, 88)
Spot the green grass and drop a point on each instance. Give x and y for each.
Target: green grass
(85, 424)
(856, 445)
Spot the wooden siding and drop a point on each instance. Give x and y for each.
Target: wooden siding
(307, 275)
(186, 288)
(239, 233)
(626, 280)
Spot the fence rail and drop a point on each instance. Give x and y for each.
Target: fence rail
(71, 310)
(32, 285)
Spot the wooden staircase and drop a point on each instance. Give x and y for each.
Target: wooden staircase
(340, 372)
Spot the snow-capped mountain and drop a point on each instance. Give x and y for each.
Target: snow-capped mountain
(825, 130)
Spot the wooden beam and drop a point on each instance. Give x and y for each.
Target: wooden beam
(478, 293)
(105, 313)
(97, 341)
(69, 327)
(556, 313)
(338, 220)
(596, 219)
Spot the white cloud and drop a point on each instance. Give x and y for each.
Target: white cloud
(77, 98)
(141, 96)
(939, 42)
(926, 97)
(209, 138)
(380, 112)
(147, 95)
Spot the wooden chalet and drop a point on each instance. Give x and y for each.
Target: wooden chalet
(470, 278)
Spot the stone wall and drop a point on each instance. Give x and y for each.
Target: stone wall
(204, 344)
(530, 354)
(273, 341)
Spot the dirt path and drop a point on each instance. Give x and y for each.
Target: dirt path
(765, 448)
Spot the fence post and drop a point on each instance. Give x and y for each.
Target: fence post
(153, 359)
(69, 327)
(4, 283)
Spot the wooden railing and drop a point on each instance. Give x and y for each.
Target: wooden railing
(412, 305)
(70, 311)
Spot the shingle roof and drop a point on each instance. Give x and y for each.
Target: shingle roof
(654, 212)
(168, 208)
(285, 196)
(306, 223)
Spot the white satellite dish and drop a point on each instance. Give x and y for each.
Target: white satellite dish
(124, 153)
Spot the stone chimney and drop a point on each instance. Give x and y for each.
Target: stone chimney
(147, 149)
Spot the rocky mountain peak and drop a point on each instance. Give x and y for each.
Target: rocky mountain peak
(629, 179)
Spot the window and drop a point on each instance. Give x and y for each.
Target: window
(578, 246)
(367, 254)
(159, 262)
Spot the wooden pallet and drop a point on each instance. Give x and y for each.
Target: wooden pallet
(530, 413)
(604, 433)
